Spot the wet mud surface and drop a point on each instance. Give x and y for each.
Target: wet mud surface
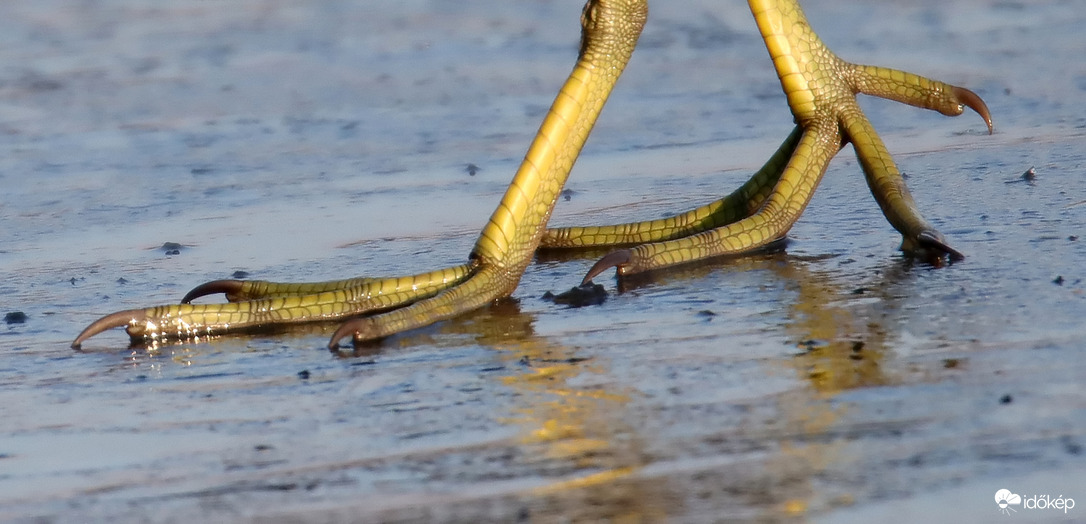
(146, 147)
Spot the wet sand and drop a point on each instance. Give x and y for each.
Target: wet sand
(833, 381)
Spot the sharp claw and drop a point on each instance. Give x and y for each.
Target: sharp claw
(974, 102)
(231, 288)
(356, 329)
(118, 319)
(610, 260)
(934, 241)
(340, 333)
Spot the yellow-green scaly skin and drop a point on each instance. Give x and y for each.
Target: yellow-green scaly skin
(510, 238)
(820, 89)
(741, 203)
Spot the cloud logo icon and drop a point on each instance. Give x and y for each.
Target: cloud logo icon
(1005, 499)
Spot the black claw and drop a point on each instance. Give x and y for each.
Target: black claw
(333, 344)
(934, 242)
(357, 329)
(610, 260)
(231, 288)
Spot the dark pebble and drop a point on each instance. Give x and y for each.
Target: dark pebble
(586, 295)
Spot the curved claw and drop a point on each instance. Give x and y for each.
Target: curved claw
(356, 329)
(118, 319)
(973, 101)
(230, 288)
(610, 260)
(934, 242)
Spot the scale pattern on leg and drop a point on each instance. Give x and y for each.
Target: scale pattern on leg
(821, 90)
(181, 321)
(893, 197)
(807, 73)
(783, 207)
(610, 29)
(243, 290)
(914, 90)
(740, 204)
(475, 293)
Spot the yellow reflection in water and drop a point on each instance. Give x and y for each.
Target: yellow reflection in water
(576, 429)
(580, 433)
(836, 352)
(840, 346)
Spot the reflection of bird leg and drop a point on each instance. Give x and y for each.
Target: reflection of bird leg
(821, 92)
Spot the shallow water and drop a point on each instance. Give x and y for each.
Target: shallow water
(833, 381)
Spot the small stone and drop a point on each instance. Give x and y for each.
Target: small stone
(585, 295)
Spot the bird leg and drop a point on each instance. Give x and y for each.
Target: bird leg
(821, 91)
(610, 29)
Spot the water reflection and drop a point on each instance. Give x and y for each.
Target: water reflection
(843, 344)
(577, 433)
(838, 327)
(583, 429)
(842, 339)
(837, 350)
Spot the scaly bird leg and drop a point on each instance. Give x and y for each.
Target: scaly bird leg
(740, 204)
(257, 304)
(508, 242)
(821, 91)
(505, 248)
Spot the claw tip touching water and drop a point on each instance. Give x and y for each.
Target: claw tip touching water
(935, 243)
(118, 319)
(974, 102)
(359, 329)
(610, 260)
